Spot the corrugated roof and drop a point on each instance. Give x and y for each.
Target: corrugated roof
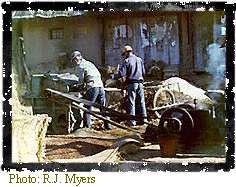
(44, 14)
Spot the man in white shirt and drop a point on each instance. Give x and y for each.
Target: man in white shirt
(89, 76)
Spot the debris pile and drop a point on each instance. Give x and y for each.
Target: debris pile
(186, 91)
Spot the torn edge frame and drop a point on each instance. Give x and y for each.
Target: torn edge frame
(57, 6)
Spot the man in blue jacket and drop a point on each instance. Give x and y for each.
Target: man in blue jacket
(132, 69)
(89, 76)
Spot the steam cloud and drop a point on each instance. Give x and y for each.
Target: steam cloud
(216, 65)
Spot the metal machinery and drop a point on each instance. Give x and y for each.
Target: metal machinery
(190, 128)
(182, 127)
(59, 112)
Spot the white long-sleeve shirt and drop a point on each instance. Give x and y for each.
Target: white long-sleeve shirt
(88, 74)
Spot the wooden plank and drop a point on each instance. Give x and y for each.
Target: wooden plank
(112, 112)
(108, 89)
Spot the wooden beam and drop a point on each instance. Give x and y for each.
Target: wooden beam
(110, 111)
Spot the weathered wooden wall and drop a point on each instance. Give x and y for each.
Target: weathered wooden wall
(160, 41)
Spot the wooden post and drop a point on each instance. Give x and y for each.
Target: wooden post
(103, 58)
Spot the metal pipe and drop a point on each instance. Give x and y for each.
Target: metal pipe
(166, 106)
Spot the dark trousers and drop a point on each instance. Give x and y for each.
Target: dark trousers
(95, 94)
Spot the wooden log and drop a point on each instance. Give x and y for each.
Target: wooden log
(28, 138)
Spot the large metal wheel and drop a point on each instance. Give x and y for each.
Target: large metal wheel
(162, 97)
(178, 113)
(175, 131)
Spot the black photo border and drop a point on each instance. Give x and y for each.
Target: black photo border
(7, 108)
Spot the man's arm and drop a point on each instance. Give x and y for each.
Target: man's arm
(121, 72)
(78, 86)
(80, 74)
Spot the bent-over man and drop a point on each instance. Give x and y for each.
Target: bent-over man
(89, 75)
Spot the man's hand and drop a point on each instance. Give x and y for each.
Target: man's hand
(76, 88)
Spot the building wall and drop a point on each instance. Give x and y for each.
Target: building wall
(79, 33)
(152, 38)
(191, 33)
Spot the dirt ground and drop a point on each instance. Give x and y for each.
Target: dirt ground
(81, 143)
(64, 147)
(86, 145)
